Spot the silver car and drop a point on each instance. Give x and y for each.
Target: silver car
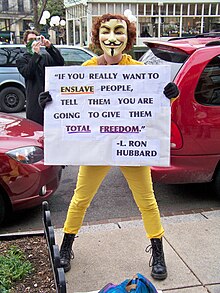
(12, 85)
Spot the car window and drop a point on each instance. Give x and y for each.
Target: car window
(169, 54)
(149, 58)
(9, 55)
(208, 88)
(74, 56)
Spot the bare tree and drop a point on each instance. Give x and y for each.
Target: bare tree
(38, 9)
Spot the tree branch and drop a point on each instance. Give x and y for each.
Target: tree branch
(42, 10)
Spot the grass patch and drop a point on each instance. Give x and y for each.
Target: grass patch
(13, 267)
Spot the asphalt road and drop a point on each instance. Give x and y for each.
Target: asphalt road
(114, 201)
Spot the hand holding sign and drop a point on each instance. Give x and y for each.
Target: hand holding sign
(44, 98)
(171, 90)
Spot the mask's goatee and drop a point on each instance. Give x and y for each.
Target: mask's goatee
(112, 51)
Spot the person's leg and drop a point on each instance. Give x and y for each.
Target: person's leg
(140, 183)
(88, 182)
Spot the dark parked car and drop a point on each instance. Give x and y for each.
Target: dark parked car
(12, 86)
(24, 179)
(195, 115)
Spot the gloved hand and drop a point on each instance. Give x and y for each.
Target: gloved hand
(44, 98)
(171, 90)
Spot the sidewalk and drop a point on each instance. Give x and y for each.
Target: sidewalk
(111, 253)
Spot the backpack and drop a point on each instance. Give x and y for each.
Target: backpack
(138, 284)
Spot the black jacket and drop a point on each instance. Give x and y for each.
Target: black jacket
(32, 68)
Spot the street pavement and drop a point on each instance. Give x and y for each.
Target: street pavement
(113, 252)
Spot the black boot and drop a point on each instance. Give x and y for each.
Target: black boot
(66, 252)
(157, 261)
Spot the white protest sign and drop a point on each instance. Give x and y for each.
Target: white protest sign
(107, 115)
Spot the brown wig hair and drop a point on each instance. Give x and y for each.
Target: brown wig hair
(131, 29)
(27, 32)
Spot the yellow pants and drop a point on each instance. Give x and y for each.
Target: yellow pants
(140, 183)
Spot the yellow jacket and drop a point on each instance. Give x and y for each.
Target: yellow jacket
(126, 60)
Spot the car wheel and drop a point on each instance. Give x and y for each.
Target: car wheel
(2, 209)
(216, 182)
(12, 100)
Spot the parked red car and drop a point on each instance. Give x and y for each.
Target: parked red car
(24, 179)
(195, 118)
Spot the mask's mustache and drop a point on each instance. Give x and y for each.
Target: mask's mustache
(111, 44)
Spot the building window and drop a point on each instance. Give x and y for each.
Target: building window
(110, 8)
(206, 9)
(148, 9)
(213, 9)
(177, 9)
(20, 6)
(2, 24)
(25, 25)
(145, 27)
(5, 5)
(94, 8)
(141, 9)
(77, 11)
(84, 32)
(192, 9)
(70, 29)
(170, 9)
(103, 8)
(162, 9)
(118, 8)
(77, 33)
(155, 9)
(199, 9)
(133, 8)
(170, 27)
(185, 9)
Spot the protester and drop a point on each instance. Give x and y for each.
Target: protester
(32, 67)
(115, 34)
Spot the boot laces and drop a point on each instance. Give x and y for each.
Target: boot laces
(65, 251)
(157, 257)
(67, 254)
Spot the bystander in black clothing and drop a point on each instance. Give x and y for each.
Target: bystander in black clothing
(32, 67)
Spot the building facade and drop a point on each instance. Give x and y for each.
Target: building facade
(157, 19)
(15, 18)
